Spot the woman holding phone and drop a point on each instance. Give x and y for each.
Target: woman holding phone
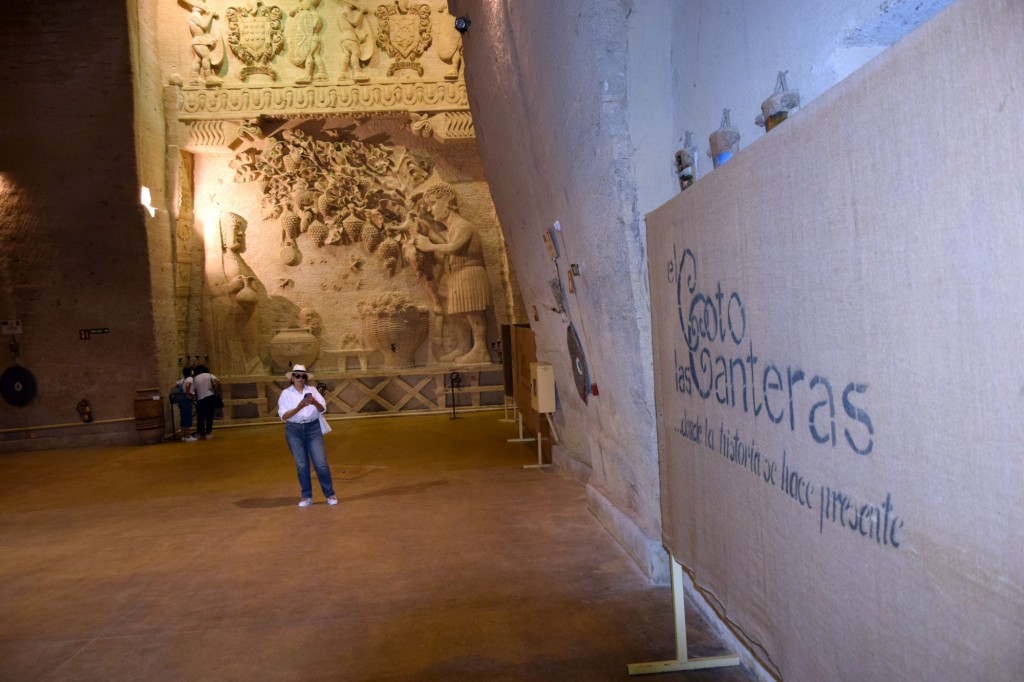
(300, 407)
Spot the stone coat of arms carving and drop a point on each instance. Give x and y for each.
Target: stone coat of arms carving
(404, 33)
(255, 37)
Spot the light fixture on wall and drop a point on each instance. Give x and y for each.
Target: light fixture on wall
(462, 24)
(776, 108)
(724, 142)
(686, 162)
(146, 199)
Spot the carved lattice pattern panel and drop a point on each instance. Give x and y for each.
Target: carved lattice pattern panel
(254, 399)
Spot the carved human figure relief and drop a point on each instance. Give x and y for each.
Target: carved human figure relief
(357, 41)
(427, 266)
(231, 302)
(449, 49)
(468, 289)
(207, 45)
(305, 44)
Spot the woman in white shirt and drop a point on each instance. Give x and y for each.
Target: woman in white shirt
(300, 407)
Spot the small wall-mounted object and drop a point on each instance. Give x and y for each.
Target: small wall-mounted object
(724, 142)
(17, 386)
(776, 108)
(558, 294)
(580, 373)
(542, 387)
(550, 243)
(686, 162)
(84, 410)
(86, 334)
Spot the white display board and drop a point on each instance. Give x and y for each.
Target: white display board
(838, 316)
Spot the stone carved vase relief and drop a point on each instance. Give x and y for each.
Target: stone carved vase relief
(395, 328)
(294, 345)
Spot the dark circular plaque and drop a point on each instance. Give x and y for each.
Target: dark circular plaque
(18, 386)
(579, 363)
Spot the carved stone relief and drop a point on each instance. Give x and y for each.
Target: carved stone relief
(328, 100)
(398, 56)
(232, 300)
(357, 40)
(207, 44)
(404, 33)
(334, 192)
(394, 327)
(468, 294)
(305, 43)
(255, 37)
(327, 214)
(449, 49)
(358, 208)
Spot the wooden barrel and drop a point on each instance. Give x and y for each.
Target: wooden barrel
(149, 415)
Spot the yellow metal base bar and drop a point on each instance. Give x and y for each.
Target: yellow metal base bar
(676, 666)
(682, 662)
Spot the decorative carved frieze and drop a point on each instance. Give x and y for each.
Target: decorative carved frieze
(228, 102)
(206, 134)
(255, 37)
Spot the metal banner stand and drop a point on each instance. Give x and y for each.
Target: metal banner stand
(540, 445)
(454, 381)
(681, 662)
(510, 401)
(519, 418)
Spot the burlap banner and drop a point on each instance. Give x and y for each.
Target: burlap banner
(838, 313)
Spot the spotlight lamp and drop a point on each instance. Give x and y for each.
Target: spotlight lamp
(462, 24)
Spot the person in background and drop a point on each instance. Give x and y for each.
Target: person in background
(185, 405)
(299, 407)
(205, 385)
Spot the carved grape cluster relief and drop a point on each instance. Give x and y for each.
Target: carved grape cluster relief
(334, 190)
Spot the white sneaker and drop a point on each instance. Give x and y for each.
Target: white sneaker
(190, 439)
(208, 436)
(332, 500)
(305, 502)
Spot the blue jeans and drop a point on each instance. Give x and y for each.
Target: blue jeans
(185, 408)
(204, 420)
(307, 443)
